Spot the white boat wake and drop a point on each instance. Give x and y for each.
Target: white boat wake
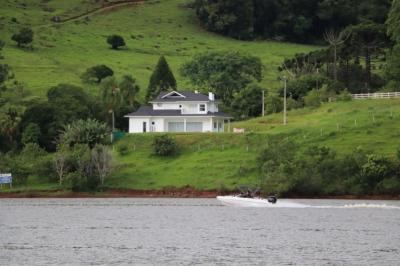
(235, 201)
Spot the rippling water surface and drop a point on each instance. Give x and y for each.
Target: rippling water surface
(197, 231)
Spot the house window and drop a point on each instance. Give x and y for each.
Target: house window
(202, 107)
(215, 125)
(180, 106)
(153, 123)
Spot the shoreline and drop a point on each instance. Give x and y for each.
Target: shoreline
(167, 193)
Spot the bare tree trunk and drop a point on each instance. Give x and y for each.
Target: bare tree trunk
(334, 63)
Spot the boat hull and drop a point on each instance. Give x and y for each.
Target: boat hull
(258, 202)
(244, 202)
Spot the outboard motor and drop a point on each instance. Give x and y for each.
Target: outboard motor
(272, 199)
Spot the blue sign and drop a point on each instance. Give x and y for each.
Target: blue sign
(5, 178)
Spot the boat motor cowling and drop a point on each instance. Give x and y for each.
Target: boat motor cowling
(272, 199)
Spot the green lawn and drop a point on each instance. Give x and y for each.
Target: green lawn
(212, 161)
(62, 52)
(226, 160)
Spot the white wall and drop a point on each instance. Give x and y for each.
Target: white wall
(166, 106)
(190, 108)
(136, 124)
(158, 124)
(161, 124)
(213, 107)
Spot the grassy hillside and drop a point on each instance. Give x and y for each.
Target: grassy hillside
(215, 160)
(62, 51)
(226, 160)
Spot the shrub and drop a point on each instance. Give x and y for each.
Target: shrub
(115, 41)
(123, 149)
(344, 96)
(165, 145)
(388, 186)
(314, 98)
(76, 181)
(24, 37)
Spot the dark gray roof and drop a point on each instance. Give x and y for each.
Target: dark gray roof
(189, 96)
(148, 111)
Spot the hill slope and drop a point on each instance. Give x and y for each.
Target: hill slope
(212, 161)
(62, 51)
(226, 160)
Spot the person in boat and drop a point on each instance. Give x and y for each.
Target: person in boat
(246, 194)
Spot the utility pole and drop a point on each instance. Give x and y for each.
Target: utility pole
(113, 125)
(284, 100)
(263, 103)
(115, 92)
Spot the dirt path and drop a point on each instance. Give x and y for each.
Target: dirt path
(104, 7)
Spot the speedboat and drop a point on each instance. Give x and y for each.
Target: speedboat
(247, 201)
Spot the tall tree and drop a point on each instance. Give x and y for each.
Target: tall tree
(10, 118)
(111, 96)
(393, 22)
(335, 40)
(223, 72)
(371, 39)
(162, 79)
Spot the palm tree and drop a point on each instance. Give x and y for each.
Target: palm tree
(129, 89)
(111, 96)
(10, 118)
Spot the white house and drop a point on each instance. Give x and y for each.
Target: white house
(179, 111)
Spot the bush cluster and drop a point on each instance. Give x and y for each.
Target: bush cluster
(165, 145)
(287, 170)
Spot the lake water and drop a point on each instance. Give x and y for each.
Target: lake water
(197, 232)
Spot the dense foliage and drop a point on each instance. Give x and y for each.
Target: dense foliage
(289, 170)
(301, 20)
(226, 73)
(89, 132)
(393, 66)
(65, 104)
